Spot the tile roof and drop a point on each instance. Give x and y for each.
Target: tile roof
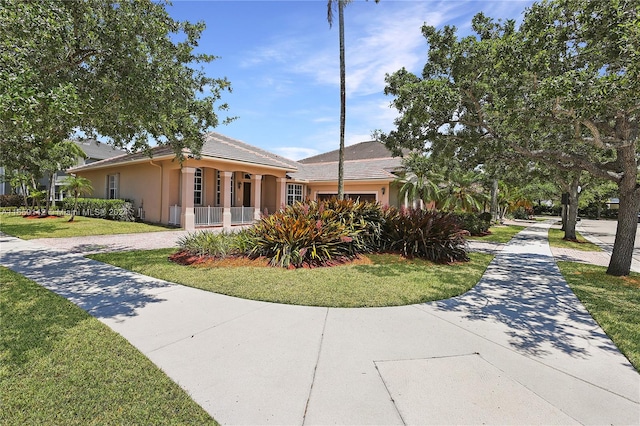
(363, 161)
(360, 151)
(215, 146)
(377, 168)
(157, 152)
(97, 150)
(220, 146)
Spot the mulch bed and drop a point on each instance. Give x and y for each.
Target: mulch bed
(188, 259)
(37, 216)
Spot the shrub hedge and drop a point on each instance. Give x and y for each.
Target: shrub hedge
(11, 200)
(213, 244)
(476, 224)
(121, 210)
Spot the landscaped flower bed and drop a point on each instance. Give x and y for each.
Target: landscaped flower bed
(326, 233)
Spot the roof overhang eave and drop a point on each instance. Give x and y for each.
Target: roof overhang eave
(97, 166)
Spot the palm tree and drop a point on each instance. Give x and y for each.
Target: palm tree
(77, 186)
(55, 157)
(419, 182)
(343, 91)
(464, 192)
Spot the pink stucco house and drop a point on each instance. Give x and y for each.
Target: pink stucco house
(233, 183)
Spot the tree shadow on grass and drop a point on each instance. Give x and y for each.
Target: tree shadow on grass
(527, 293)
(103, 290)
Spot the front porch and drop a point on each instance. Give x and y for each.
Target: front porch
(211, 196)
(215, 216)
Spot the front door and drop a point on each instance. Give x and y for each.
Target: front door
(246, 194)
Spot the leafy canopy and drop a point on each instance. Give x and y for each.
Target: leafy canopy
(125, 71)
(562, 89)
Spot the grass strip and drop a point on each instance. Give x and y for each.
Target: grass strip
(387, 280)
(614, 302)
(59, 227)
(556, 240)
(59, 365)
(499, 234)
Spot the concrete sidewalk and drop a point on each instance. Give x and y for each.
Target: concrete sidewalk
(517, 349)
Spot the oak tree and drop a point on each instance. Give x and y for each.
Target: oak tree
(123, 71)
(561, 89)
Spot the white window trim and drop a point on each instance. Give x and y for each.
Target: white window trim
(292, 193)
(200, 191)
(115, 187)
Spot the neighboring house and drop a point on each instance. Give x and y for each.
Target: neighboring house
(233, 183)
(5, 187)
(94, 151)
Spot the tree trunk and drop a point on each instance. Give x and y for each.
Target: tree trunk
(494, 200)
(48, 200)
(75, 207)
(572, 210)
(343, 100)
(629, 192)
(24, 190)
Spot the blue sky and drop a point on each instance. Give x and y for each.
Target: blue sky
(282, 60)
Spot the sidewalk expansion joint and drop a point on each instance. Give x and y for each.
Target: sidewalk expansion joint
(386, 387)
(315, 367)
(508, 348)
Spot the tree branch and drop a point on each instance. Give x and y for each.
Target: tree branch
(567, 161)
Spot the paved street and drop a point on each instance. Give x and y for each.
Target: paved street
(603, 233)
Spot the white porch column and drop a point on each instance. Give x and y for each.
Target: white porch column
(281, 192)
(225, 188)
(256, 195)
(188, 219)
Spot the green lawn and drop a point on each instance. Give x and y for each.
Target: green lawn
(28, 229)
(59, 365)
(499, 233)
(614, 302)
(388, 280)
(555, 240)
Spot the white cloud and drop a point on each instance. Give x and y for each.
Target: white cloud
(325, 120)
(352, 139)
(295, 153)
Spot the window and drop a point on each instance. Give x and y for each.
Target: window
(112, 187)
(218, 187)
(233, 189)
(197, 188)
(294, 193)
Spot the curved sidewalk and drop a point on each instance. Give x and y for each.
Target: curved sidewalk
(519, 348)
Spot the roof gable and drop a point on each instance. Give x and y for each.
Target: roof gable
(372, 169)
(361, 151)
